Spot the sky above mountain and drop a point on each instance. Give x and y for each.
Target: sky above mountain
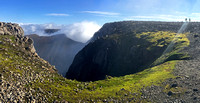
(80, 19)
(100, 11)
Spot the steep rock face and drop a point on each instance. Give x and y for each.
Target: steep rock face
(122, 48)
(58, 50)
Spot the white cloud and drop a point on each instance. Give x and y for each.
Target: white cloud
(102, 13)
(57, 14)
(81, 31)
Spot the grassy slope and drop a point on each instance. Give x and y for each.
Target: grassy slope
(124, 88)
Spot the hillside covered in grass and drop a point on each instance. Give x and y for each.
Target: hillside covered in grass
(25, 77)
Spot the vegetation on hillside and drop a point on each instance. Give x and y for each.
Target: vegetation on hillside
(46, 85)
(124, 53)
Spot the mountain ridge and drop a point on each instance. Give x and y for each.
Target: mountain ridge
(135, 44)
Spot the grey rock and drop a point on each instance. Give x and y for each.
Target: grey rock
(1, 33)
(1, 24)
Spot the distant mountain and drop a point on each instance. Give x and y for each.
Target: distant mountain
(122, 48)
(58, 50)
(51, 31)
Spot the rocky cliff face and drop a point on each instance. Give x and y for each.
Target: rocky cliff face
(58, 50)
(122, 48)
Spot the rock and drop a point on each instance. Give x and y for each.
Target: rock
(1, 33)
(25, 39)
(1, 24)
(195, 90)
(30, 41)
(195, 36)
(169, 93)
(195, 98)
(122, 89)
(7, 33)
(174, 85)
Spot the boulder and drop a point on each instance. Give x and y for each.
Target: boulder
(1, 24)
(1, 33)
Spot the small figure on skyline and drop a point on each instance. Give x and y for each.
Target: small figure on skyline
(189, 20)
(185, 19)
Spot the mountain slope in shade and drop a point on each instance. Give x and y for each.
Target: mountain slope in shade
(58, 50)
(123, 48)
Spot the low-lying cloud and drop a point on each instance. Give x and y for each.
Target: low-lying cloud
(80, 32)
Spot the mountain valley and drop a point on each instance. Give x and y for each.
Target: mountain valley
(123, 62)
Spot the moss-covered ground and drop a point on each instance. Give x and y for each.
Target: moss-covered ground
(112, 89)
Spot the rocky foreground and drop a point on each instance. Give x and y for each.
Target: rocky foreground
(18, 63)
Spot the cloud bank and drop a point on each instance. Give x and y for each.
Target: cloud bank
(80, 32)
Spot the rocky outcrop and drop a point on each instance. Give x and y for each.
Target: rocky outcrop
(25, 42)
(10, 29)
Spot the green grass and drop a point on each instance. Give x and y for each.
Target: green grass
(123, 88)
(116, 87)
(163, 38)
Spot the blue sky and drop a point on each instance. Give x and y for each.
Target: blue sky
(99, 11)
(80, 19)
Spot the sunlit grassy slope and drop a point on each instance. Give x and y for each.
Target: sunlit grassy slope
(112, 89)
